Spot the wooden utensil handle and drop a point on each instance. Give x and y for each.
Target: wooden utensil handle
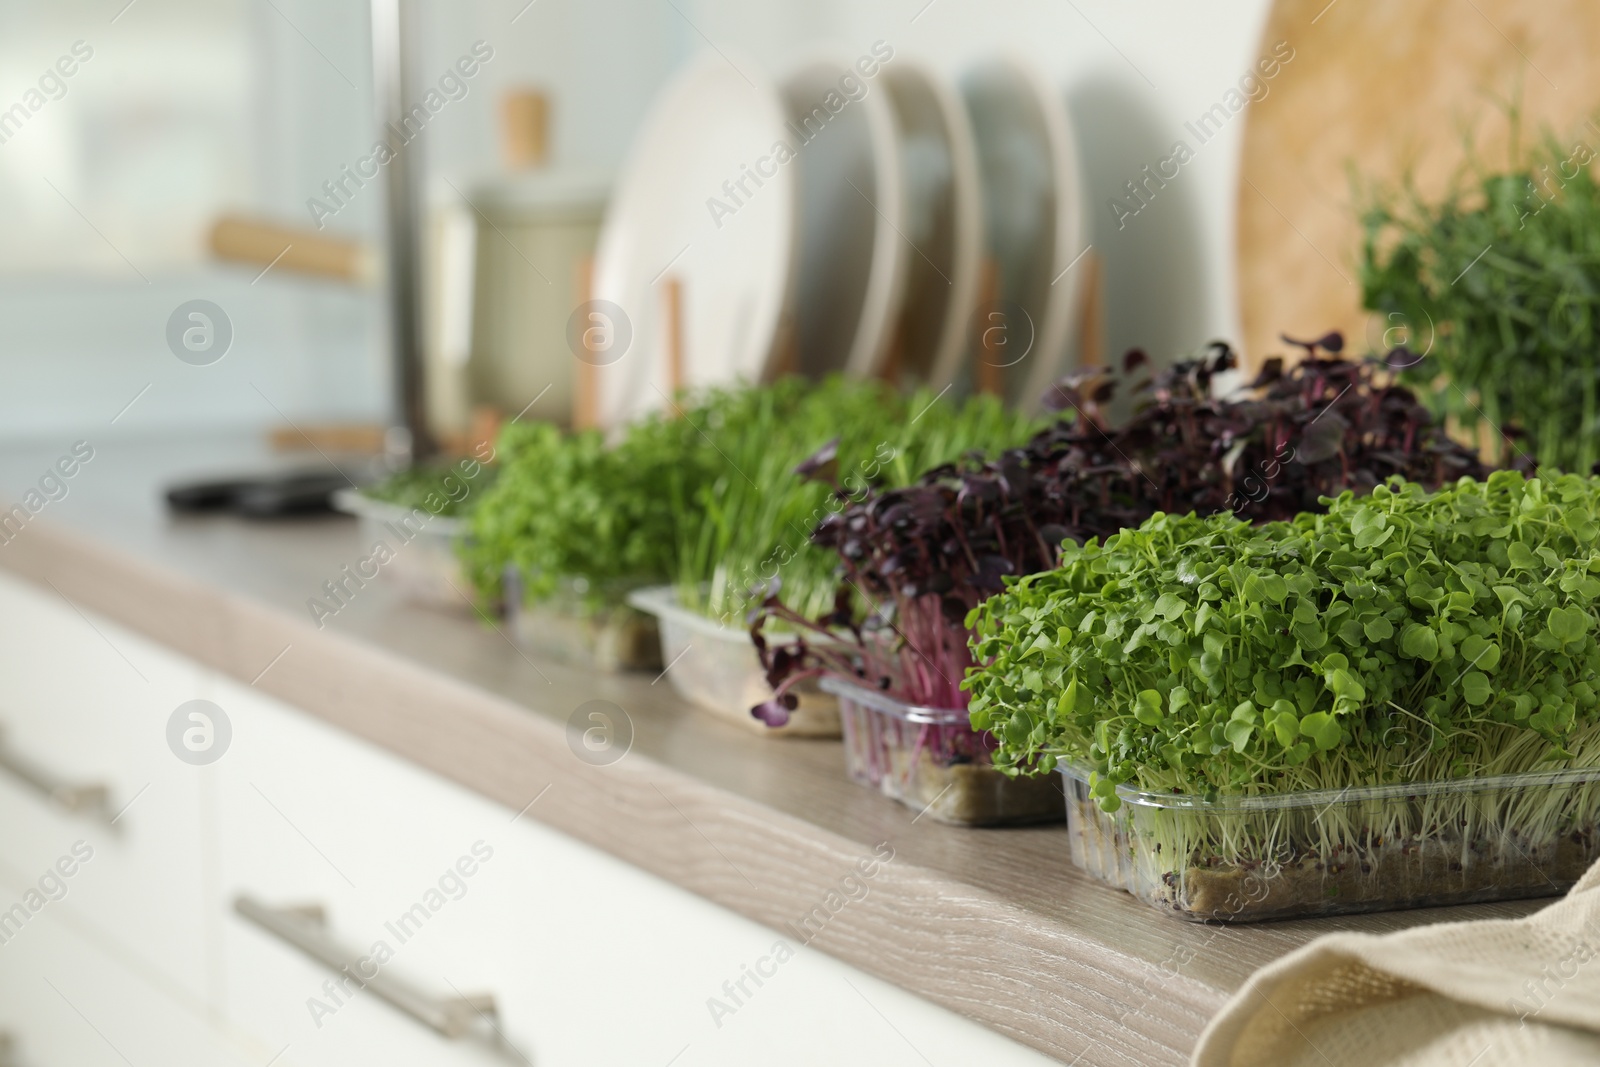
(672, 301)
(282, 248)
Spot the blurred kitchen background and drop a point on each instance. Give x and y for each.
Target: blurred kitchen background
(193, 110)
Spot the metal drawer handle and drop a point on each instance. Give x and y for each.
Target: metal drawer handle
(305, 928)
(79, 799)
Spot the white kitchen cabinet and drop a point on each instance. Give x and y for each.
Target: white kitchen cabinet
(65, 1002)
(85, 702)
(590, 961)
(313, 816)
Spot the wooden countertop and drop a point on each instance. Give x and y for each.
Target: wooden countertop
(995, 924)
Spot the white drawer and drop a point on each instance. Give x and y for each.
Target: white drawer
(591, 961)
(270, 986)
(86, 701)
(313, 816)
(602, 963)
(66, 1003)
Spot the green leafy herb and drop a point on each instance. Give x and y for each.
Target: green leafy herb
(568, 507)
(706, 495)
(752, 523)
(1503, 281)
(1207, 657)
(447, 488)
(925, 554)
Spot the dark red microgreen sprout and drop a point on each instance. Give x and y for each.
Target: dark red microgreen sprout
(914, 561)
(1331, 342)
(821, 465)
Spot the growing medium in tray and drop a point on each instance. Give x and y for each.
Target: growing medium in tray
(1225, 670)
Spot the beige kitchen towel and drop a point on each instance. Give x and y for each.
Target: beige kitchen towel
(1495, 993)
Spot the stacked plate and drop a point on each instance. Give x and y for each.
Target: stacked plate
(887, 225)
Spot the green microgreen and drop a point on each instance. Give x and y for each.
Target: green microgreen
(566, 506)
(1403, 636)
(752, 523)
(705, 495)
(447, 488)
(1495, 289)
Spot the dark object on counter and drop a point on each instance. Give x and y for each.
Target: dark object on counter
(260, 497)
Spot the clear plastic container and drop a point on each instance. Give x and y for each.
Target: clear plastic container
(931, 759)
(424, 567)
(718, 668)
(566, 627)
(1340, 851)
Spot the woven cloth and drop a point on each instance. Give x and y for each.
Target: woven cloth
(1493, 993)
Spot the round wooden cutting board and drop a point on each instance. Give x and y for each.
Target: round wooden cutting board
(1384, 90)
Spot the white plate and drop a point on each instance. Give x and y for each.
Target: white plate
(1033, 213)
(850, 271)
(680, 211)
(944, 225)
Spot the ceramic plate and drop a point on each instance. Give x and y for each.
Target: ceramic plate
(943, 226)
(850, 269)
(701, 200)
(1033, 215)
